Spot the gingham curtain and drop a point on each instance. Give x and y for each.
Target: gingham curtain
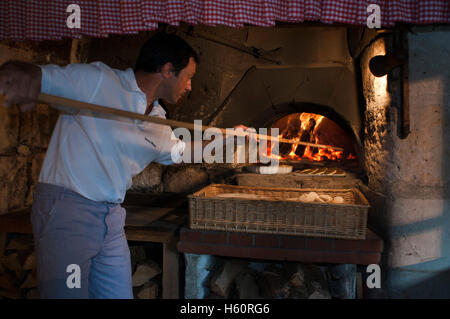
(46, 19)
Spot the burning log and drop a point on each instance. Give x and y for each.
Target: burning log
(306, 135)
(291, 130)
(315, 129)
(284, 148)
(303, 135)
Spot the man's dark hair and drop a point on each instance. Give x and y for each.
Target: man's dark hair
(163, 48)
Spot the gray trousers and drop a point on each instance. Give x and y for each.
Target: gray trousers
(80, 245)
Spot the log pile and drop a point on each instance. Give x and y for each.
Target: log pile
(237, 279)
(146, 278)
(18, 279)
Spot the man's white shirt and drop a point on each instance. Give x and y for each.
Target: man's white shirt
(98, 157)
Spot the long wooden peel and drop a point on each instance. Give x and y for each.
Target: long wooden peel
(99, 110)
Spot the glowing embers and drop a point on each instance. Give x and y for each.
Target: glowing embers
(312, 128)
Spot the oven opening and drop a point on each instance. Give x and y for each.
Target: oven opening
(312, 128)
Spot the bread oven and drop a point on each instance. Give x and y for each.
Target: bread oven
(291, 66)
(310, 93)
(399, 169)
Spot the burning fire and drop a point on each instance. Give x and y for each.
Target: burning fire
(307, 131)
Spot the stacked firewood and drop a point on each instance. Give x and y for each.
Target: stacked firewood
(237, 279)
(146, 274)
(18, 278)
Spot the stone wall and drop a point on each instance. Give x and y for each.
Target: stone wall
(408, 178)
(24, 137)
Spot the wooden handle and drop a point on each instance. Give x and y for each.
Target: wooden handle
(52, 99)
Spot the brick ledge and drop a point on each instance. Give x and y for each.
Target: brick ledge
(282, 247)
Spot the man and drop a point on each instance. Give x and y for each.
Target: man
(76, 215)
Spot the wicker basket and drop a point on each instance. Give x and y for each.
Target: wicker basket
(275, 211)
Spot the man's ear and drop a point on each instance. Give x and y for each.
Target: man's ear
(167, 70)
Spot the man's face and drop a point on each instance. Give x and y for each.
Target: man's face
(181, 84)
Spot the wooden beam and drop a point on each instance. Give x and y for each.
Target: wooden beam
(79, 52)
(171, 270)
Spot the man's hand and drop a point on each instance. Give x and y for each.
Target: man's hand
(20, 82)
(249, 130)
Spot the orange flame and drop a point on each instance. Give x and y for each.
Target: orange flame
(311, 153)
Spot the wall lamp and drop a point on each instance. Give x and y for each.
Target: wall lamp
(381, 65)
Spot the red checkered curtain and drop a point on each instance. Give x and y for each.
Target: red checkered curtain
(46, 19)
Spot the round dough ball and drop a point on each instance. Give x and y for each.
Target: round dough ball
(338, 200)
